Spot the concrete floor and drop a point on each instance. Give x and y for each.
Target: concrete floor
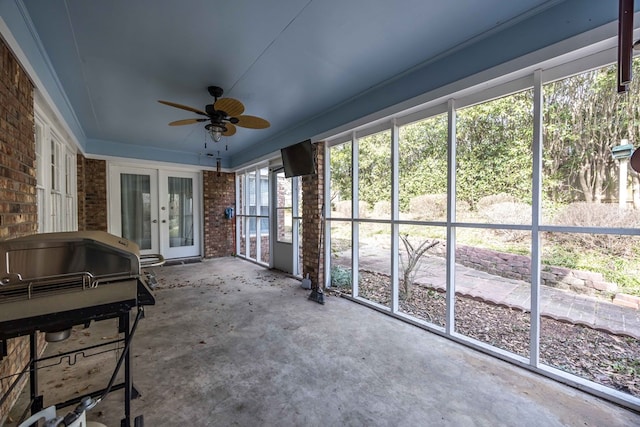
(230, 343)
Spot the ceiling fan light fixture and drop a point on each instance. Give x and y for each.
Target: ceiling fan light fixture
(215, 131)
(224, 116)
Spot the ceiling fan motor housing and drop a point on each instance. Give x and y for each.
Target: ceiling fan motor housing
(215, 91)
(210, 109)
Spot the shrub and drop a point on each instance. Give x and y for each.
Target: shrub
(597, 214)
(363, 210)
(508, 213)
(411, 261)
(487, 201)
(429, 206)
(382, 209)
(343, 208)
(340, 276)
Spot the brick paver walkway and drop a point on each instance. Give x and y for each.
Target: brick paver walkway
(555, 303)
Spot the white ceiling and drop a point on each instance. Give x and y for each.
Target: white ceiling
(307, 66)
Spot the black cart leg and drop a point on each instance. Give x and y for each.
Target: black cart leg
(125, 327)
(36, 401)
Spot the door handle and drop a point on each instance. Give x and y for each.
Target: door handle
(154, 221)
(164, 220)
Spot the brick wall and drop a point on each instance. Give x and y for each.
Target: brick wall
(265, 255)
(219, 193)
(92, 194)
(82, 192)
(18, 209)
(312, 201)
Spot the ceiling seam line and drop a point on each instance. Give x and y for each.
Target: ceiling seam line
(84, 76)
(269, 45)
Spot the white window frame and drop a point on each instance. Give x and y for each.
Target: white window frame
(471, 91)
(56, 174)
(244, 217)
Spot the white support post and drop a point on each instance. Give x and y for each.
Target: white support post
(237, 219)
(395, 217)
(257, 218)
(451, 218)
(355, 214)
(534, 333)
(327, 214)
(295, 226)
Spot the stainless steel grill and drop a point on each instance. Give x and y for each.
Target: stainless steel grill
(54, 280)
(51, 282)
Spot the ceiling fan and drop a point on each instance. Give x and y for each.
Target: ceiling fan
(223, 115)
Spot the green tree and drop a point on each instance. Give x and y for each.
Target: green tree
(341, 172)
(493, 152)
(423, 158)
(584, 118)
(374, 168)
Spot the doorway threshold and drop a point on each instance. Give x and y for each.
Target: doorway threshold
(180, 261)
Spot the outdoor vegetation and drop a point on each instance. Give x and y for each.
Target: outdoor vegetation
(583, 119)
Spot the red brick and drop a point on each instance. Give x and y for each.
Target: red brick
(92, 194)
(312, 202)
(18, 210)
(219, 193)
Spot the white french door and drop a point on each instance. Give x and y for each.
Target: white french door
(286, 223)
(157, 209)
(179, 217)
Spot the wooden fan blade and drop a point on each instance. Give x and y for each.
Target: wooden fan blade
(231, 129)
(252, 122)
(184, 107)
(231, 106)
(186, 122)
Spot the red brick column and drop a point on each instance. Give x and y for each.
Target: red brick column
(219, 193)
(81, 191)
(312, 203)
(18, 209)
(92, 194)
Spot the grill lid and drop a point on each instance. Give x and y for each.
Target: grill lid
(95, 254)
(52, 281)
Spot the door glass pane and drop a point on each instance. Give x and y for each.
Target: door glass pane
(297, 219)
(284, 209)
(135, 210)
(264, 203)
(253, 242)
(180, 212)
